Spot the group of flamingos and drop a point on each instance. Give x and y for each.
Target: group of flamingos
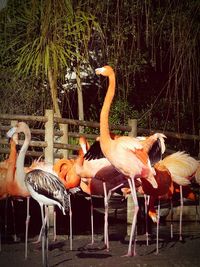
(127, 164)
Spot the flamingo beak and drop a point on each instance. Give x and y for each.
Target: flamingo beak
(151, 179)
(11, 132)
(99, 70)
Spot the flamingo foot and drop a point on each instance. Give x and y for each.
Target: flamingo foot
(130, 254)
(36, 242)
(153, 215)
(105, 247)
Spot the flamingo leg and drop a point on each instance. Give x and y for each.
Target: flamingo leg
(40, 234)
(44, 236)
(135, 212)
(14, 223)
(27, 225)
(54, 229)
(0, 234)
(0, 238)
(197, 209)
(171, 220)
(70, 223)
(113, 189)
(146, 203)
(39, 237)
(54, 224)
(46, 230)
(106, 239)
(92, 220)
(6, 218)
(157, 227)
(106, 200)
(181, 213)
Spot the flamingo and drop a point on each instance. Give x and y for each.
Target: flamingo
(96, 174)
(127, 154)
(84, 171)
(47, 189)
(98, 178)
(17, 186)
(182, 168)
(66, 168)
(38, 164)
(7, 172)
(105, 182)
(110, 177)
(172, 171)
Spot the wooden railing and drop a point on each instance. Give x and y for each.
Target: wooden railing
(47, 139)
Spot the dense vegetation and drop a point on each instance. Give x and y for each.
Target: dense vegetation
(152, 45)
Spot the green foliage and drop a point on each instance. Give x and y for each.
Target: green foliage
(23, 96)
(152, 45)
(121, 111)
(42, 38)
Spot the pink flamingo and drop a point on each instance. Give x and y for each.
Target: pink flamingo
(125, 153)
(7, 173)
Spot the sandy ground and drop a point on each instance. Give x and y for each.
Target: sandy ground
(172, 252)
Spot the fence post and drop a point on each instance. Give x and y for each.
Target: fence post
(130, 206)
(49, 135)
(48, 152)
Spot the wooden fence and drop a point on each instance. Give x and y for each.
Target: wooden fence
(48, 141)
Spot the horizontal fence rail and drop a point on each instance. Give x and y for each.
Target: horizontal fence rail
(42, 138)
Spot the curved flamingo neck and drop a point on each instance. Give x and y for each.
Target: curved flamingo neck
(20, 174)
(104, 124)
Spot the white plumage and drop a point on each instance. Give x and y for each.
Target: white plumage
(181, 166)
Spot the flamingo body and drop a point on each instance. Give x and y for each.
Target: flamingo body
(181, 166)
(45, 188)
(7, 170)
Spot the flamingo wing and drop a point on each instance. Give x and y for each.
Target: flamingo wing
(129, 143)
(94, 152)
(155, 152)
(48, 185)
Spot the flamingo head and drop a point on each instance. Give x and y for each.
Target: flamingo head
(105, 71)
(21, 127)
(13, 138)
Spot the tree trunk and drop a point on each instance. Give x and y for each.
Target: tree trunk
(80, 97)
(54, 95)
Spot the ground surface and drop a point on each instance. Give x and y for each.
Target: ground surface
(171, 252)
